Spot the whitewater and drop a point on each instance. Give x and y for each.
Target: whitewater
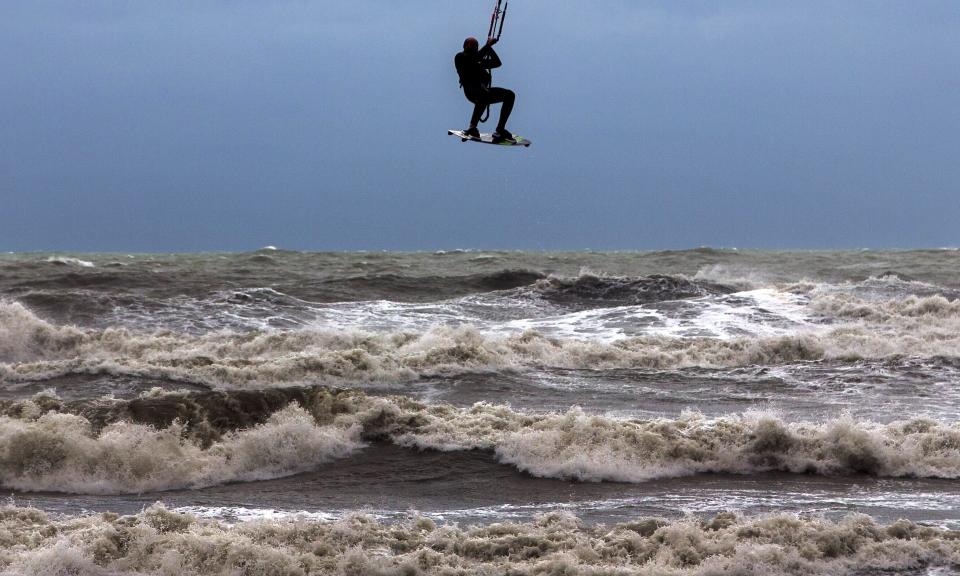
(469, 412)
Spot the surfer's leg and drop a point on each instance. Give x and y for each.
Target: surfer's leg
(478, 107)
(508, 98)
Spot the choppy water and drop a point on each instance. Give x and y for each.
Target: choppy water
(568, 395)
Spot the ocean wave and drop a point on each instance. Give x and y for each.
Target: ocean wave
(258, 269)
(32, 349)
(590, 289)
(64, 452)
(419, 288)
(39, 351)
(889, 284)
(185, 440)
(162, 541)
(149, 299)
(934, 311)
(738, 276)
(24, 336)
(580, 446)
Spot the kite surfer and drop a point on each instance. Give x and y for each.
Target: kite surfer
(473, 67)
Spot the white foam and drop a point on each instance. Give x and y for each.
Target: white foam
(70, 261)
(769, 313)
(247, 514)
(166, 542)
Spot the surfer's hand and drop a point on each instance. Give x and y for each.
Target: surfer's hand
(491, 41)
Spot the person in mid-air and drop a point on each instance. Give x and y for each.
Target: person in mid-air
(473, 67)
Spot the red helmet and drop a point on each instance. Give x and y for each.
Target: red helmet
(471, 43)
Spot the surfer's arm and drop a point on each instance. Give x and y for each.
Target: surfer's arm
(488, 58)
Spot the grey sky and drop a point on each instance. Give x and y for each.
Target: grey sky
(192, 125)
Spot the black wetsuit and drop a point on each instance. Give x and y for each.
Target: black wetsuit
(475, 79)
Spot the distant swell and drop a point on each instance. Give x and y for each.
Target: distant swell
(161, 541)
(157, 284)
(424, 288)
(191, 440)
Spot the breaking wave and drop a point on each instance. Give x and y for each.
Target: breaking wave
(163, 541)
(67, 261)
(936, 309)
(849, 329)
(182, 440)
(63, 452)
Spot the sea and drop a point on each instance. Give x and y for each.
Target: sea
(707, 411)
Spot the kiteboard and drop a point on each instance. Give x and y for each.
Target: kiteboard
(488, 139)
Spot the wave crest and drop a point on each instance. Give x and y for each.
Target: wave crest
(585, 447)
(121, 446)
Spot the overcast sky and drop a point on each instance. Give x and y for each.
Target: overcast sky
(202, 125)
